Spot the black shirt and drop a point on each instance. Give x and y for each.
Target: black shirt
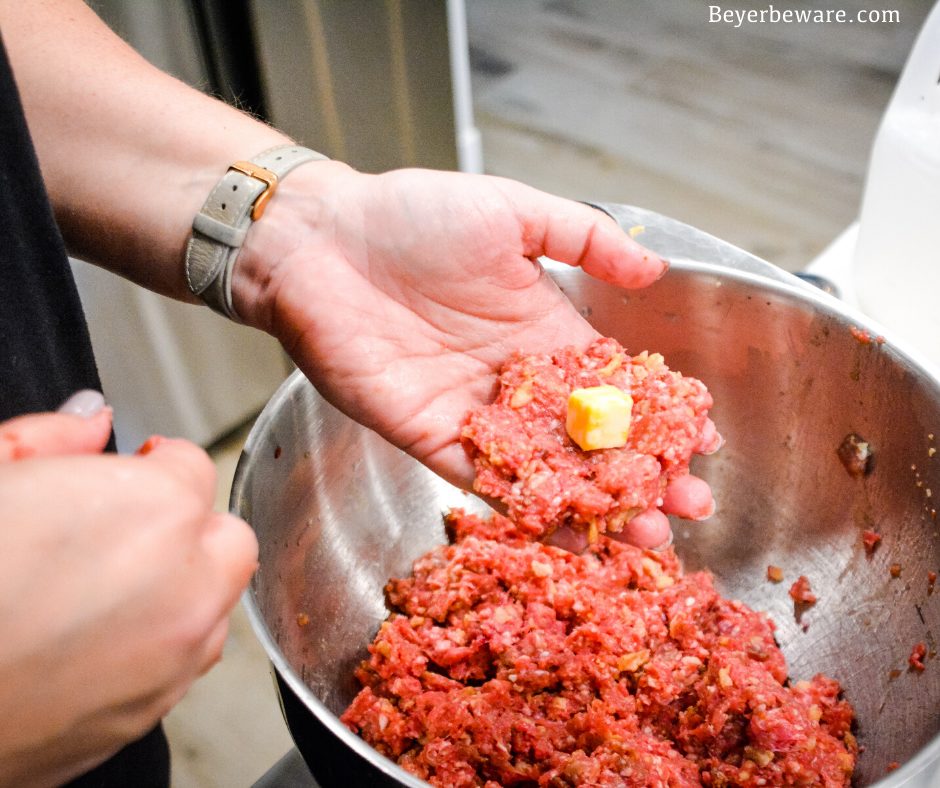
(45, 352)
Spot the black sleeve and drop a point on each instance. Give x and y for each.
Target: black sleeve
(45, 352)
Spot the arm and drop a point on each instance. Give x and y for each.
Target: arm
(398, 294)
(128, 153)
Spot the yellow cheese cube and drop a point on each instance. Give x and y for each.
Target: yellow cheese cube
(599, 417)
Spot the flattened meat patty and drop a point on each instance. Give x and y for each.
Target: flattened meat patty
(525, 458)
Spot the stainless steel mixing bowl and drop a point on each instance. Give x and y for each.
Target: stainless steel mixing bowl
(338, 511)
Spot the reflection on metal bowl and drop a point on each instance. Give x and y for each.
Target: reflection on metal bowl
(338, 511)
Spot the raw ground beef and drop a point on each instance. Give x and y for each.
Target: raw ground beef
(509, 662)
(525, 458)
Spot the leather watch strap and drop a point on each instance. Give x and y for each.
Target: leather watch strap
(223, 221)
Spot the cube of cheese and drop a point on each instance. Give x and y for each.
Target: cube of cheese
(599, 417)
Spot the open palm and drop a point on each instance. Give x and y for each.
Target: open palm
(400, 295)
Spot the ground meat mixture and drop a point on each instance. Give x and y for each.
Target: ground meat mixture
(525, 458)
(507, 662)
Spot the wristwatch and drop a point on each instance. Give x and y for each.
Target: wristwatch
(222, 223)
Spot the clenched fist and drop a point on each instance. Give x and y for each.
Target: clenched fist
(117, 585)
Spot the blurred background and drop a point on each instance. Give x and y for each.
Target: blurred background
(758, 134)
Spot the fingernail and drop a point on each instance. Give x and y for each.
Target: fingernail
(85, 403)
(715, 446)
(707, 515)
(664, 546)
(664, 271)
(711, 440)
(149, 445)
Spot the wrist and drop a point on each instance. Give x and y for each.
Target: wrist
(220, 227)
(299, 220)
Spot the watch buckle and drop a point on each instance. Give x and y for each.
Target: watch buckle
(268, 178)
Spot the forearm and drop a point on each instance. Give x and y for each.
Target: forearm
(128, 153)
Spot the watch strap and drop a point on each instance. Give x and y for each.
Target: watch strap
(220, 227)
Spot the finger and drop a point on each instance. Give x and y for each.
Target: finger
(214, 646)
(452, 462)
(583, 236)
(232, 549)
(205, 630)
(184, 460)
(711, 441)
(649, 529)
(54, 435)
(689, 497)
(570, 539)
(86, 403)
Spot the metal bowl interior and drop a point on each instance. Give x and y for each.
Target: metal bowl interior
(338, 511)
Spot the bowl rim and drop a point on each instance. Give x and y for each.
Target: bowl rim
(776, 280)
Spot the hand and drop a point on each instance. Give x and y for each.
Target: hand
(400, 295)
(118, 581)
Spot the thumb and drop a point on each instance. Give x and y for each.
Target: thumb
(81, 426)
